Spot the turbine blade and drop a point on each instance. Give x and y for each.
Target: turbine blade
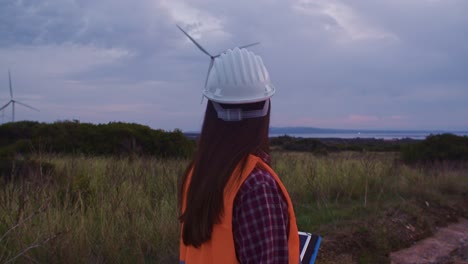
(241, 47)
(23, 104)
(195, 42)
(208, 73)
(249, 45)
(5, 106)
(11, 90)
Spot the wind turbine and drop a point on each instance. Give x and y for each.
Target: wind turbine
(3, 115)
(13, 101)
(213, 57)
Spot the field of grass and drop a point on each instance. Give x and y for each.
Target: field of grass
(121, 210)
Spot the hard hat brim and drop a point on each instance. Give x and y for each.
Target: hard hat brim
(239, 100)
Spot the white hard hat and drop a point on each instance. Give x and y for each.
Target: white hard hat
(238, 76)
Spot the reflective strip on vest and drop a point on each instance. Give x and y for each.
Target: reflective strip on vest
(220, 248)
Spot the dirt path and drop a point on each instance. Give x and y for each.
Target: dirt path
(448, 245)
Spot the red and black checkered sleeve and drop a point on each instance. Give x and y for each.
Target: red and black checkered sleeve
(260, 220)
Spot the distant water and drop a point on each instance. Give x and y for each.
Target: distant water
(387, 135)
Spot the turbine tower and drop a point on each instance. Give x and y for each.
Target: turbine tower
(13, 101)
(3, 115)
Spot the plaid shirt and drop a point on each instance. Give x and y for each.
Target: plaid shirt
(260, 220)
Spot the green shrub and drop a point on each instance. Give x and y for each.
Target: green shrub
(436, 148)
(72, 137)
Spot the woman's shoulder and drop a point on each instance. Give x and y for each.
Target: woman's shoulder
(260, 184)
(259, 177)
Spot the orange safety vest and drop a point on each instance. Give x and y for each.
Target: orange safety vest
(220, 248)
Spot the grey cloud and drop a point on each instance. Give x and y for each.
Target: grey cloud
(417, 67)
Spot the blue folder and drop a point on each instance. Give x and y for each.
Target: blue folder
(309, 245)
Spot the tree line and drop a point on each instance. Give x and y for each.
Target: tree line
(118, 138)
(435, 148)
(73, 137)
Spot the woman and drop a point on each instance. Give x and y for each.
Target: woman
(234, 208)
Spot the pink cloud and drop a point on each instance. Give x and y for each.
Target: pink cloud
(362, 119)
(307, 121)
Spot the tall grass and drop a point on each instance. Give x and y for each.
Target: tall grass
(93, 210)
(120, 210)
(349, 185)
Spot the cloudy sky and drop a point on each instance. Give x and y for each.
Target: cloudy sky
(376, 64)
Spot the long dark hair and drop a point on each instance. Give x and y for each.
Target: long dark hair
(221, 147)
